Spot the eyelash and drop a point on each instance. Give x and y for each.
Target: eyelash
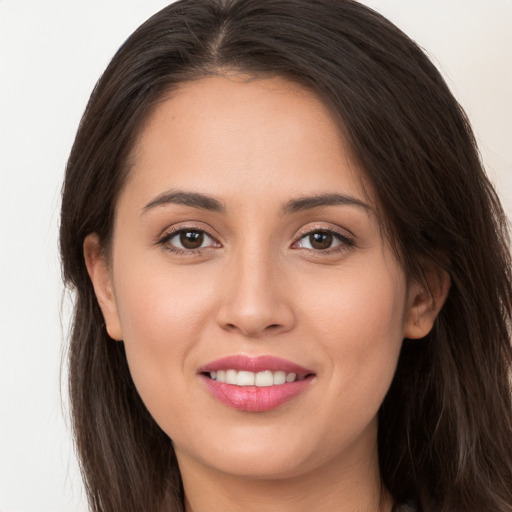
(345, 242)
(164, 241)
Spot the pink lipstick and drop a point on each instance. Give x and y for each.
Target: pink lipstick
(255, 384)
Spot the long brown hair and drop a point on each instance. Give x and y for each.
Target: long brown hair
(445, 427)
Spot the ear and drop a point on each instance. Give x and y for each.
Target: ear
(99, 272)
(425, 300)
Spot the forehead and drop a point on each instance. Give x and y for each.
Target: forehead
(237, 136)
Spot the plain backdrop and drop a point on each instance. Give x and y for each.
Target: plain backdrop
(51, 54)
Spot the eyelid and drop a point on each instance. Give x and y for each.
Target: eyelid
(326, 227)
(344, 235)
(186, 225)
(168, 233)
(346, 238)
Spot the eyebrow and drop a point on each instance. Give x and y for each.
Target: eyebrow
(193, 199)
(322, 200)
(205, 202)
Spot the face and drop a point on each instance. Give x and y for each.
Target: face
(261, 308)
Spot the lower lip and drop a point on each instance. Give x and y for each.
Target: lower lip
(255, 398)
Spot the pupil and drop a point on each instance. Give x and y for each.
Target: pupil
(320, 240)
(191, 239)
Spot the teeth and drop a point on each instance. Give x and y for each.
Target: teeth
(264, 379)
(231, 376)
(245, 378)
(280, 377)
(260, 379)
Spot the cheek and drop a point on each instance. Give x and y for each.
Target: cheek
(162, 315)
(359, 304)
(161, 305)
(360, 324)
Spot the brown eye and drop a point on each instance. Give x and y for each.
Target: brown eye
(323, 240)
(191, 239)
(320, 240)
(188, 240)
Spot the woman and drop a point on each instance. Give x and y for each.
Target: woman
(292, 277)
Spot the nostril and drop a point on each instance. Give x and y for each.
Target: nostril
(255, 320)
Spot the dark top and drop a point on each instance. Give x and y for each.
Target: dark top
(405, 507)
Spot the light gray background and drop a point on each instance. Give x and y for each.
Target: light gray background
(51, 54)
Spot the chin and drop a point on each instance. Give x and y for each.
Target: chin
(263, 465)
(259, 455)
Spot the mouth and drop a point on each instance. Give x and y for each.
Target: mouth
(255, 384)
(265, 378)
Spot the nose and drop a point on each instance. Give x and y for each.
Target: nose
(255, 299)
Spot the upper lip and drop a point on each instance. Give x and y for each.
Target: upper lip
(255, 365)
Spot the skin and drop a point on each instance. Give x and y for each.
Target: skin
(258, 287)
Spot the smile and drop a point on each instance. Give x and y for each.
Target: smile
(255, 384)
(265, 378)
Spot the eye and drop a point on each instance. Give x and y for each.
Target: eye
(185, 240)
(323, 240)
